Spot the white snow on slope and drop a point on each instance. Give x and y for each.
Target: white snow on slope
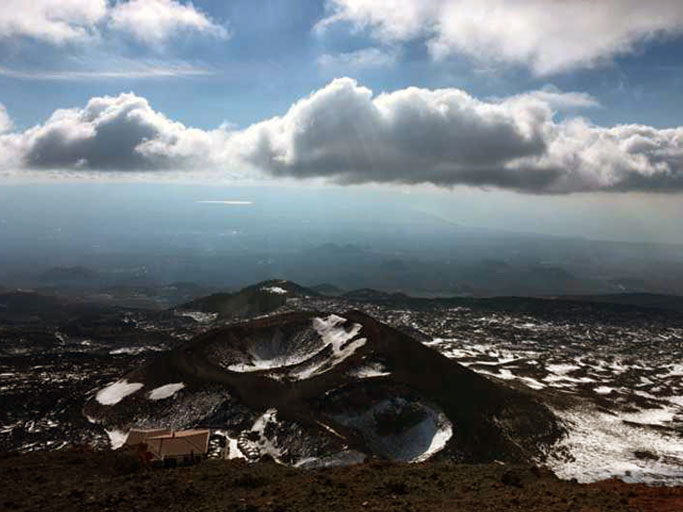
(136, 350)
(332, 331)
(677, 400)
(603, 446)
(439, 440)
(506, 374)
(274, 289)
(117, 438)
(233, 450)
(332, 334)
(663, 417)
(117, 391)
(271, 355)
(198, 316)
(676, 370)
(369, 371)
(603, 390)
(165, 391)
(562, 368)
(257, 443)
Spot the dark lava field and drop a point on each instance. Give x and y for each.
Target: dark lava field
(587, 390)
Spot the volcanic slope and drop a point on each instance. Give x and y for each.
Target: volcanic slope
(257, 299)
(314, 389)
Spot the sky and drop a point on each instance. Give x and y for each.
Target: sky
(562, 117)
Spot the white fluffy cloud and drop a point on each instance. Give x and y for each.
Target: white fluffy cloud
(121, 133)
(412, 135)
(347, 134)
(154, 21)
(56, 21)
(547, 36)
(60, 21)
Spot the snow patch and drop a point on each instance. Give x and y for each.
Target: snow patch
(166, 391)
(331, 330)
(676, 400)
(128, 350)
(602, 446)
(198, 316)
(332, 333)
(439, 440)
(562, 368)
(506, 374)
(603, 390)
(117, 438)
(269, 356)
(662, 417)
(274, 289)
(369, 371)
(117, 391)
(255, 444)
(233, 450)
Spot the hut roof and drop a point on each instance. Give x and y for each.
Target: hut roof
(175, 444)
(138, 436)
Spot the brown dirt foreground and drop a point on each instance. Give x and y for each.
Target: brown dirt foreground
(106, 481)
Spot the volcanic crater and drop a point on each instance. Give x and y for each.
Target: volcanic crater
(313, 388)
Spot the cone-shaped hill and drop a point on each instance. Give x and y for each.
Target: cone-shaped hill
(318, 388)
(253, 300)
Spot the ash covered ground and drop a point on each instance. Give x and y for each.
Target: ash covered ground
(611, 373)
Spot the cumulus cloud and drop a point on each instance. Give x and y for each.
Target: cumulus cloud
(121, 133)
(411, 135)
(154, 21)
(61, 21)
(347, 134)
(56, 21)
(363, 58)
(549, 37)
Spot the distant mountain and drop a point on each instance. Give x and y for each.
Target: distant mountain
(318, 389)
(32, 307)
(641, 300)
(253, 300)
(370, 294)
(328, 289)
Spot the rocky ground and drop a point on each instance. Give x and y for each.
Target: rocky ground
(110, 481)
(611, 373)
